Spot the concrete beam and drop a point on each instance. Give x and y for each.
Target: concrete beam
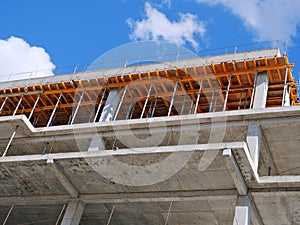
(58, 171)
(279, 179)
(242, 211)
(159, 196)
(129, 151)
(235, 172)
(32, 200)
(261, 90)
(167, 196)
(278, 115)
(73, 213)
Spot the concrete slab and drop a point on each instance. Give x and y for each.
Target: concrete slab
(284, 207)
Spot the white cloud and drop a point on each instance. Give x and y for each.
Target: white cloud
(269, 19)
(156, 26)
(18, 59)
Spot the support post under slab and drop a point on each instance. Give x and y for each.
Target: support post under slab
(10, 141)
(242, 211)
(73, 213)
(261, 90)
(254, 142)
(3, 104)
(286, 91)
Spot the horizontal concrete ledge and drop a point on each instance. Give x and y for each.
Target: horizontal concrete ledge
(279, 179)
(267, 116)
(236, 115)
(35, 200)
(133, 151)
(125, 197)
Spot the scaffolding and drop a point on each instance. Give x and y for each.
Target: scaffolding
(212, 87)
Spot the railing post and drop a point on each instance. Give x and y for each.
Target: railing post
(54, 110)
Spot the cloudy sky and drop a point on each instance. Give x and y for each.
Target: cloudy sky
(43, 36)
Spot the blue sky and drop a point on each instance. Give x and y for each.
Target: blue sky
(78, 32)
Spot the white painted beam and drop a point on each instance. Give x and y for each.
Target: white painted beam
(129, 151)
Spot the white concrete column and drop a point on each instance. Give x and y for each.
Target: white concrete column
(96, 143)
(254, 142)
(73, 213)
(261, 90)
(110, 105)
(242, 211)
(286, 97)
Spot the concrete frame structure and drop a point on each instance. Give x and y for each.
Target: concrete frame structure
(236, 150)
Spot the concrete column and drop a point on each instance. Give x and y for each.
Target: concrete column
(73, 213)
(261, 90)
(286, 98)
(242, 211)
(254, 142)
(96, 143)
(110, 105)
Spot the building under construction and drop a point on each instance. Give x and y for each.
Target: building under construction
(211, 141)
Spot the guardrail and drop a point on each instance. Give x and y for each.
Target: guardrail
(124, 62)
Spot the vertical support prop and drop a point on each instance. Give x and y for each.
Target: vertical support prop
(183, 104)
(169, 212)
(35, 104)
(100, 104)
(154, 107)
(60, 214)
(77, 107)
(245, 102)
(110, 216)
(121, 101)
(173, 97)
(227, 93)
(54, 110)
(8, 214)
(146, 101)
(198, 96)
(240, 101)
(253, 90)
(10, 141)
(2, 106)
(191, 107)
(19, 103)
(285, 87)
(211, 101)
